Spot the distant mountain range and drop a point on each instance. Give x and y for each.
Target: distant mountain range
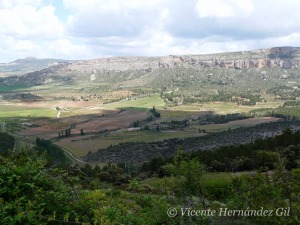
(243, 69)
(26, 65)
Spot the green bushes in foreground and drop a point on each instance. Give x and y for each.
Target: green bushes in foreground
(34, 191)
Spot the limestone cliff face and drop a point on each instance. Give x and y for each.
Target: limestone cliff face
(284, 57)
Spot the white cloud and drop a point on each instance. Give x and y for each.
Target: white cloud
(31, 28)
(111, 5)
(14, 3)
(223, 8)
(66, 49)
(102, 18)
(144, 27)
(29, 22)
(14, 44)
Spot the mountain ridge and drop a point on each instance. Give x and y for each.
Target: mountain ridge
(26, 65)
(124, 68)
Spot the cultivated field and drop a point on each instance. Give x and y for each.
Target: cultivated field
(140, 103)
(237, 123)
(226, 107)
(90, 123)
(105, 124)
(81, 145)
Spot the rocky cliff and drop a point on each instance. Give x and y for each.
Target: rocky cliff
(285, 57)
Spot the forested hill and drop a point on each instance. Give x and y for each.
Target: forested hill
(6, 142)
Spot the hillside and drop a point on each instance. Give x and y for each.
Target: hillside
(256, 69)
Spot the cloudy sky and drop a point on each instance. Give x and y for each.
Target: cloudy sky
(84, 29)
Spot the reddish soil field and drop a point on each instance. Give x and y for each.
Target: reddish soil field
(120, 120)
(89, 123)
(56, 103)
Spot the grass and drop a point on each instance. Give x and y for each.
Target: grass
(227, 107)
(11, 111)
(236, 124)
(140, 103)
(215, 183)
(4, 89)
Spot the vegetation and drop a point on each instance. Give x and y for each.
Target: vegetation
(259, 155)
(138, 103)
(5, 89)
(9, 111)
(34, 191)
(289, 111)
(6, 142)
(55, 154)
(190, 151)
(221, 118)
(141, 151)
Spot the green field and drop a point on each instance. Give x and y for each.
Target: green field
(236, 124)
(139, 103)
(12, 88)
(9, 111)
(226, 107)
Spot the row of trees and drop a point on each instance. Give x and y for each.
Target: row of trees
(222, 96)
(67, 133)
(216, 118)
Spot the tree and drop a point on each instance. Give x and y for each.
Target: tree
(28, 192)
(153, 109)
(267, 159)
(188, 174)
(6, 142)
(136, 123)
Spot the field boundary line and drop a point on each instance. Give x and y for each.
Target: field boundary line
(70, 153)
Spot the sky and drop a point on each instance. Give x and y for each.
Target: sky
(86, 29)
